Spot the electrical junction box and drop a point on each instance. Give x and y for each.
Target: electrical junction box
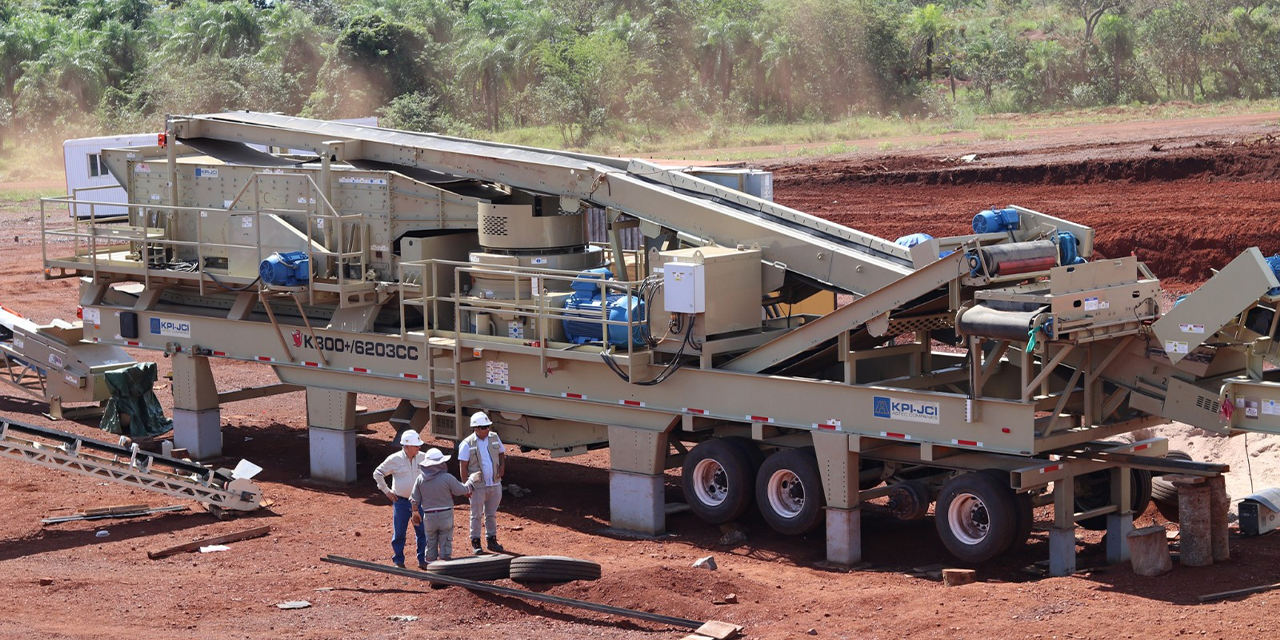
(721, 286)
(685, 285)
(1260, 512)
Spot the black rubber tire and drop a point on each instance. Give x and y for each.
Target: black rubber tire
(1163, 493)
(734, 478)
(1025, 513)
(1139, 496)
(803, 487)
(754, 455)
(996, 506)
(553, 569)
(490, 567)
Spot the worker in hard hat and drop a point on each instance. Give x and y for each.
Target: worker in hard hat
(432, 503)
(402, 466)
(481, 462)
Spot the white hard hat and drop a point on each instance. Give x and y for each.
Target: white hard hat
(479, 419)
(434, 457)
(410, 438)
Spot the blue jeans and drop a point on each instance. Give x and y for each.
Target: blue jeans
(399, 526)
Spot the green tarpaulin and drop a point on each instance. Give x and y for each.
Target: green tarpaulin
(131, 396)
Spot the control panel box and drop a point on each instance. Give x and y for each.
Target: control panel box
(721, 286)
(685, 285)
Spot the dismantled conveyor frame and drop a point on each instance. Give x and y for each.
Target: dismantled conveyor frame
(129, 466)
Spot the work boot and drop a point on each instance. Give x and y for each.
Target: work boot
(475, 547)
(493, 544)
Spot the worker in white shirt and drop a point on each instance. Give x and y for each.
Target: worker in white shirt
(402, 466)
(482, 461)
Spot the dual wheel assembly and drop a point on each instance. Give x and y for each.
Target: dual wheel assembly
(722, 478)
(977, 515)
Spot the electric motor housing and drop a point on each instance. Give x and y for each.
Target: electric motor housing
(288, 269)
(996, 221)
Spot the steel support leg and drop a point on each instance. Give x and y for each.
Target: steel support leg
(1062, 537)
(1121, 523)
(197, 420)
(332, 418)
(637, 458)
(838, 462)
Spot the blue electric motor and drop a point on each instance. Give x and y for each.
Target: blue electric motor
(1274, 263)
(1069, 249)
(995, 221)
(289, 269)
(586, 303)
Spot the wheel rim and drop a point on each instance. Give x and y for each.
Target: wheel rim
(710, 482)
(968, 518)
(786, 493)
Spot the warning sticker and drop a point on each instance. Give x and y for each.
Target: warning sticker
(1191, 328)
(515, 330)
(1251, 408)
(1173, 346)
(1271, 407)
(496, 373)
(142, 167)
(1091, 304)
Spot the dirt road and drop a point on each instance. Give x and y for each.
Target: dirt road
(1183, 220)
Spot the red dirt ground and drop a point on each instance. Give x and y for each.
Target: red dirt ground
(107, 588)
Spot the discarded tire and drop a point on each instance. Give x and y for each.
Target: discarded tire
(494, 567)
(1163, 493)
(1094, 490)
(553, 569)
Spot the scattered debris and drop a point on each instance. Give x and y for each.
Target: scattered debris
(403, 618)
(812, 632)
(214, 548)
(972, 157)
(718, 630)
(1223, 595)
(323, 589)
(957, 577)
(44, 582)
(517, 491)
(734, 535)
(102, 533)
(256, 532)
(1157, 147)
(732, 598)
(294, 604)
(708, 562)
(113, 515)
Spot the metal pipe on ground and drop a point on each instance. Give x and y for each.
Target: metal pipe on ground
(515, 593)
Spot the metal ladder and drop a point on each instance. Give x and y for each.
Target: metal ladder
(127, 465)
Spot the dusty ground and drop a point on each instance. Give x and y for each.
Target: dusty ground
(1185, 209)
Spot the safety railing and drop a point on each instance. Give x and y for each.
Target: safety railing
(130, 243)
(532, 288)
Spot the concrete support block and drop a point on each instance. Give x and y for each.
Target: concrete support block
(844, 536)
(1220, 508)
(333, 454)
(1149, 551)
(1062, 551)
(637, 503)
(199, 432)
(1118, 528)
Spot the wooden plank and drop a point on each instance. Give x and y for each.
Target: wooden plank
(1223, 595)
(256, 532)
(122, 508)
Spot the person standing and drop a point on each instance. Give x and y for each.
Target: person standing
(402, 466)
(482, 461)
(432, 503)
